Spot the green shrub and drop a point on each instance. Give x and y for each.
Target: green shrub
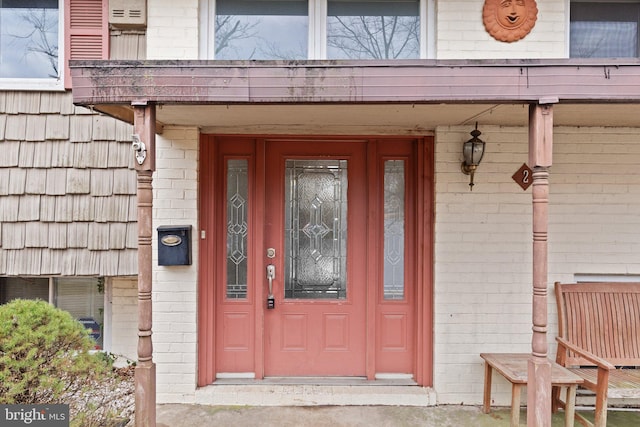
(45, 358)
(44, 353)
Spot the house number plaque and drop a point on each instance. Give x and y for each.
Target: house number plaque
(524, 176)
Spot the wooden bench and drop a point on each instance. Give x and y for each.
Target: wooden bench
(599, 340)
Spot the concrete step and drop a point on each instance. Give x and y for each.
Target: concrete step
(314, 392)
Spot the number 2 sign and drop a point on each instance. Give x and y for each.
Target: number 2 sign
(524, 176)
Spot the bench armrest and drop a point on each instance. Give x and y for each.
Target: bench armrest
(599, 361)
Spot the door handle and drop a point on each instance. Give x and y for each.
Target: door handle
(271, 274)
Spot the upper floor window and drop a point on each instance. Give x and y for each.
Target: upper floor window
(261, 29)
(604, 30)
(373, 29)
(314, 29)
(29, 40)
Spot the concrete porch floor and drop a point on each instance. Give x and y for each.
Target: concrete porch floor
(179, 415)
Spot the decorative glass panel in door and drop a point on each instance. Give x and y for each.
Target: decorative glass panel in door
(316, 325)
(237, 227)
(394, 229)
(315, 229)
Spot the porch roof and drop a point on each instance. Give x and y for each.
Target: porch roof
(422, 93)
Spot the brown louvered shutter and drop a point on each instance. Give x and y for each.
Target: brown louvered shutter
(86, 32)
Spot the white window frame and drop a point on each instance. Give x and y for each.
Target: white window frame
(588, 277)
(317, 29)
(44, 84)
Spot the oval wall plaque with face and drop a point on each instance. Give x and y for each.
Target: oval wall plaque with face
(509, 20)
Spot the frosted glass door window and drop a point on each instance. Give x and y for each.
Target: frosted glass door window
(237, 228)
(316, 229)
(394, 229)
(261, 29)
(359, 29)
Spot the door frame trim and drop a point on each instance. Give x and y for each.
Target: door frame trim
(207, 298)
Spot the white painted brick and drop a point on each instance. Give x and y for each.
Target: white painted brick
(169, 173)
(174, 297)
(124, 317)
(483, 242)
(461, 33)
(172, 29)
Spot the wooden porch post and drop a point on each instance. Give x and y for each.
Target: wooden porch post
(539, 368)
(145, 372)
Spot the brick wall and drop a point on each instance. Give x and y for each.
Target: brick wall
(461, 33)
(174, 299)
(483, 241)
(172, 29)
(124, 317)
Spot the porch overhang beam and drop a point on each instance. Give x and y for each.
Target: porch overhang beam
(420, 81)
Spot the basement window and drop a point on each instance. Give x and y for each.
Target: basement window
(82, 297)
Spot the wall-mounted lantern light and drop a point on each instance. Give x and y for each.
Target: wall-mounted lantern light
(472, 152)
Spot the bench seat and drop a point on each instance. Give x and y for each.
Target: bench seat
(623, 383)
(599, 340)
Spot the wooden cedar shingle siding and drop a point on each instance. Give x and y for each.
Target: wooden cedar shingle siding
(67, 189)
(10, 153)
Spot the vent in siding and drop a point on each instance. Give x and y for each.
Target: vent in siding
(128, 13)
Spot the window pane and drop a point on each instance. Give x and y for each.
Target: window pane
(394, 235)
(373, 29)
(316, 229)
(29, 39)
(84, 299)
(603, 39)
(24, 288)
(604, 30)
(237, 228)
(261, 29)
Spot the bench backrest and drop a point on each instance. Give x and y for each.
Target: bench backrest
(603, 318)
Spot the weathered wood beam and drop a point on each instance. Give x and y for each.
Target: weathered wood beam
(419, 81)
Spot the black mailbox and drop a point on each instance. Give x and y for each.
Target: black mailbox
(174, 245)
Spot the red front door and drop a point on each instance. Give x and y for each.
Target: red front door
(338, 221)
(315, 236)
